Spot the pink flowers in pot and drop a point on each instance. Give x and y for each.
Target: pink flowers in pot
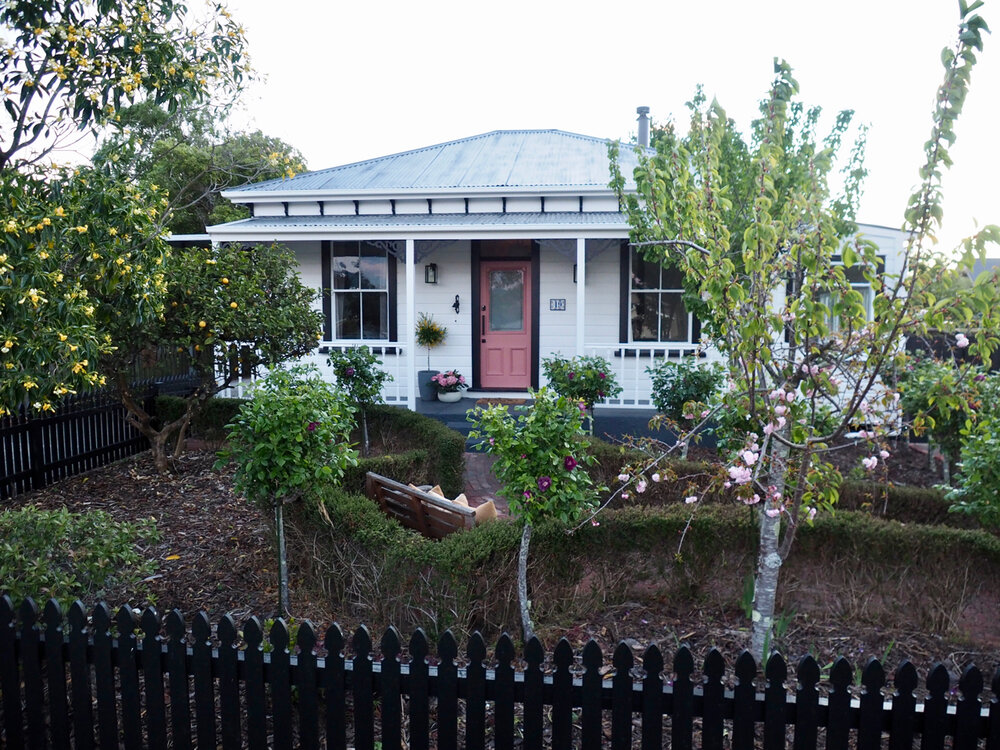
(449, 381)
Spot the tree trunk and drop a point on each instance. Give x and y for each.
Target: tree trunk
(765, 586)
(768, 561)
(284, 601)
(522, 583)
(364, 433)
(181, 437)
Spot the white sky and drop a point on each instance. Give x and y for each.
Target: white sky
(352, 80)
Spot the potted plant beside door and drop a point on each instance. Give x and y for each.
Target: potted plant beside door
(428, 334)
(449, 385)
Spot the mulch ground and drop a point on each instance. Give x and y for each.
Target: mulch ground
(216, 555)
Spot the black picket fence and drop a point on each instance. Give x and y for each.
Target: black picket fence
(143, 682)
(84, 432)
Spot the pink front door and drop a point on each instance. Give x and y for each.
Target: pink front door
(505, 352)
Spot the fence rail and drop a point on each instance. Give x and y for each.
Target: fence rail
(63, 677)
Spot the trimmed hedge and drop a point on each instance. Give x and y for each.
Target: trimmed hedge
(419, 449)
(911, 505)
(849, 565)
(209, 424)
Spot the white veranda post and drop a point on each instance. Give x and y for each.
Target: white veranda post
(411, 325)
(581, 284)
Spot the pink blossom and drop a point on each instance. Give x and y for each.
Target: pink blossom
(781, 421)
(740, 474)
(749, 457)
(751, 500)
(688, 416)
(780, 409)
(704, 414)
(624, 496)
(811, 514)
(884, 454)
(640, 486)
(526, 493)
(790, 396)
(768, 428)
(623, 477)
(773, 512)
(727, 485)
(870, 463)
(961, 341)
(594, 522)
(691, 499)
(655, 477)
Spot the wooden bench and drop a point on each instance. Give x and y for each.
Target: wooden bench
(432, 516)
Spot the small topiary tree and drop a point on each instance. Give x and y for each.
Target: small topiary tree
(540, 456)
(360, 374)
(682, 391)
(582, 379)
(291, 435)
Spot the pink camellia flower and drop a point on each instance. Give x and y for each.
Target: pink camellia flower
(312, 426)
(869, 463)
(961, 341)
(601, 375)
(349, 372)
(691, 499)
(655, 477)
(570, 375)
(544, 483)
(640, 486)
(526, 494)
(569, 463)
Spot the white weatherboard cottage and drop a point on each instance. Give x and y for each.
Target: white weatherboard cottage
(511, 239)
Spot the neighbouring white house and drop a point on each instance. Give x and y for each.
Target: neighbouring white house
(512, 240)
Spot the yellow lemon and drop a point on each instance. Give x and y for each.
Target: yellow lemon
(233, 305)
(202, 324)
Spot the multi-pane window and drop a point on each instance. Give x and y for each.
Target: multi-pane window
(360, 288)
(855, 276)
(656, 310)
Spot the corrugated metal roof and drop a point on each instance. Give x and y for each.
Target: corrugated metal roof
(606, 219)
(501, 159)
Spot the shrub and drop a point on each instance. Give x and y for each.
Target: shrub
(978, 493)
(585, 379)
(678, 387)
(289, 435)
(67, 555)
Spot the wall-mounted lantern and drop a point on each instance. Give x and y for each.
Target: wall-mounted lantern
(431, 273)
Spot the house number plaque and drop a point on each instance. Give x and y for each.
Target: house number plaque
(557, 304)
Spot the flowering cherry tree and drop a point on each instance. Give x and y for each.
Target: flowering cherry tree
(768, 252)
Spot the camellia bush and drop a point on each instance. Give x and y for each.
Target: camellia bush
(360, 374)
(291, 435)
(540, 464)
